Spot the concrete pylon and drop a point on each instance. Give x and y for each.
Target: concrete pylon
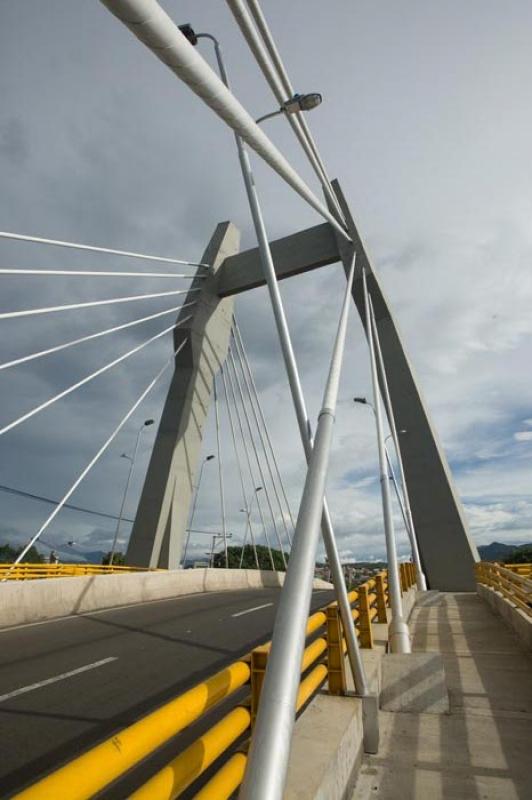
(446, 549)
(160, 523)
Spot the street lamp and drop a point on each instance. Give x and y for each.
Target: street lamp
(207, 458)
(295, 104)
(145, 424)
(247, 511)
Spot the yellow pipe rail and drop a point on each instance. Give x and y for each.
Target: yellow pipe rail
(183, 770)
(91, 772)
(25, 572)
(315, 622)
(229, 777)
(226, 781)
(313, 652)
(512, 585)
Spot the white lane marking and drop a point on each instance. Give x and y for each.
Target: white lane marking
(249, 610)
(57, 678)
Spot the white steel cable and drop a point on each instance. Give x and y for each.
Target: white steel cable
(282, 94)
(75, 306)
(155, 29)
(262, 25)
(72, 388)
(239, 466)
(257, 459)
(76, 246)
(220, 472)
(265, 426)
(248, 457)
(85, 273)
(267, 764)
(24, 359)
(258, 426)
(98, 455)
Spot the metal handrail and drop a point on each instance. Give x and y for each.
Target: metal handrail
(515, 586)
(89, 773)
(30, 571)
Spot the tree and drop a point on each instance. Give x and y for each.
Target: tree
(119, 558)
(522, 555)
(248, 562)
(8, 554)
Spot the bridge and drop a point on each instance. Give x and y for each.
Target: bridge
(254, 674)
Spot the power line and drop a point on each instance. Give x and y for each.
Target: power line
(49, 501)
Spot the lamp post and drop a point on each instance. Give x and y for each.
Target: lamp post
(404, 502)
(296, 390)
(132, 458)
(207, 458)
(399, 635)
(216, 536)
(247, 511)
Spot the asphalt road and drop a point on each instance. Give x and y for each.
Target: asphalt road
(67, 684)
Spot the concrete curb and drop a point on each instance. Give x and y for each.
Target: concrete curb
(37, 600)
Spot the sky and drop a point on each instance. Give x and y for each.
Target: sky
(426, 122)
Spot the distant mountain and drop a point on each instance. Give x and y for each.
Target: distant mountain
(497, 551)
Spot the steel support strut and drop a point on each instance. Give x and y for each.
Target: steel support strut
(399, 637)
(267, 765)
(405, 505)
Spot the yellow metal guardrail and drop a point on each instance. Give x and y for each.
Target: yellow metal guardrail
(323, 659)
(510, 580)
(28, 572)
(520, 569)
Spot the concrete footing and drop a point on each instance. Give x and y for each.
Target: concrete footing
(414, 683)
(327, 749)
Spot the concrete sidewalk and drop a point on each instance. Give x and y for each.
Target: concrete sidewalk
(480, 750)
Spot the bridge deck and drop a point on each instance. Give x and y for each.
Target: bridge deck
(143, 655)
(482, 748)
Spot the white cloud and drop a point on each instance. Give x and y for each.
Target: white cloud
(113, 150)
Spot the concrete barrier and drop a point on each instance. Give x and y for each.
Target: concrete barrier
(513, 616)
(36, 600)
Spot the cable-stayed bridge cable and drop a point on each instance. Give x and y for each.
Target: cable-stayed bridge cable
(94, 249)
(240, 473)
(24, 359)
(100, 453)
(258, 427)
(273, 51)
(87, 273)
(152, 26)
(92, 304)
(255, 451)
(16, 422)
(279, 88)
(261, 414)
(230, 368)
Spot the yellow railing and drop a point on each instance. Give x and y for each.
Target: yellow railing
(28, 572)
(510, 580)
(520, 569)
(323, 659)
